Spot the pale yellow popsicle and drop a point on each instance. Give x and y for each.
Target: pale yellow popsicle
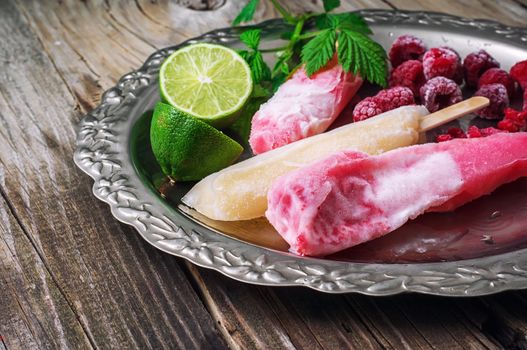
(239, 192)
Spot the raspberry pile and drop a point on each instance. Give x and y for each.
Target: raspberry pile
(440, 92)
(475, 64)
(435, 76)
(384, 101)
(404, 48)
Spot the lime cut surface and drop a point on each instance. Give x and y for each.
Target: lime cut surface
(186, 148)
(209, 82)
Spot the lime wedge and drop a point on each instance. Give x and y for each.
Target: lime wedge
(209, 82)
(186, 148)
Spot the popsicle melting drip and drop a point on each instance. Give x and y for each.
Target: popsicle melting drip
(303, 106)
(349, 198)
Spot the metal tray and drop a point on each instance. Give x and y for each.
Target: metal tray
(112, 148)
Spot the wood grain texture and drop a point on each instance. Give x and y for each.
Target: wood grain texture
(124, 292)
(73, 277)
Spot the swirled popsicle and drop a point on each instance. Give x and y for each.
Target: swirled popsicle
(349, 198)
(303, 106)
(239, 192)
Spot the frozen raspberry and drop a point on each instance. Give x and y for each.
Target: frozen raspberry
(456, 133)
(440, 92)
(441, 61)
(489, 131)
(498, 76)
(365, 109)
(473, 132)
(384, 101)
(452, 133)
(394, 97)
(513, 121)
(499, 100)
(404, 48)
(508, 125)
(443, 138)
(475, 64)
(519, 73)
(458, 76)
(408, 74)
(525, 100)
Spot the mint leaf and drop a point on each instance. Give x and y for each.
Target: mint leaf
(350, 21)
(318, 51)
(251, 38)
(360, 54)
(259, 69)
(330, 5)
(247, 13)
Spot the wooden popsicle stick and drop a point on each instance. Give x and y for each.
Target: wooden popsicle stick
(453, 112)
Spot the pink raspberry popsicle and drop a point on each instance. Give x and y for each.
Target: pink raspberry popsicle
(349, 198)
(302, 107)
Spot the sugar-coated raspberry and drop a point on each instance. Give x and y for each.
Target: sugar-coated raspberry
(499, 100)
(365, 109)
(498, 76)
(475, 64)
(404, 48)
(519, 73)
(384, 101)
(443, 138)
(441, 62)
(394, 97)
(458, 76)
(440, 92)
(409, 74)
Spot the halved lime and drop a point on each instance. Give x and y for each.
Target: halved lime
(186, 148)
(209, 82)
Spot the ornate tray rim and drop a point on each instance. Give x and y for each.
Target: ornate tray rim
(102, 152)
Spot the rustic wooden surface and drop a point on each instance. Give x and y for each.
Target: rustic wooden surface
(73, 277)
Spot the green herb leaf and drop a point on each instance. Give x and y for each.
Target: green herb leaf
(360, 54)
(251, 38)
(247, 13)
(350, 21)
(330, 5)
(318, 51)
(259, 69)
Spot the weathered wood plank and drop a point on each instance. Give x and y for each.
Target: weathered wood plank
(33, 311)
(124, 292)
(508, 12)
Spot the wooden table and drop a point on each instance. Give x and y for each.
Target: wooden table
(71, 276)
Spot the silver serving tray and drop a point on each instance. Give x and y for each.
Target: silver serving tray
(108, 145)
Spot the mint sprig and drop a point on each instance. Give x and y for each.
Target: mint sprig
(247, 13)
(347, 34)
